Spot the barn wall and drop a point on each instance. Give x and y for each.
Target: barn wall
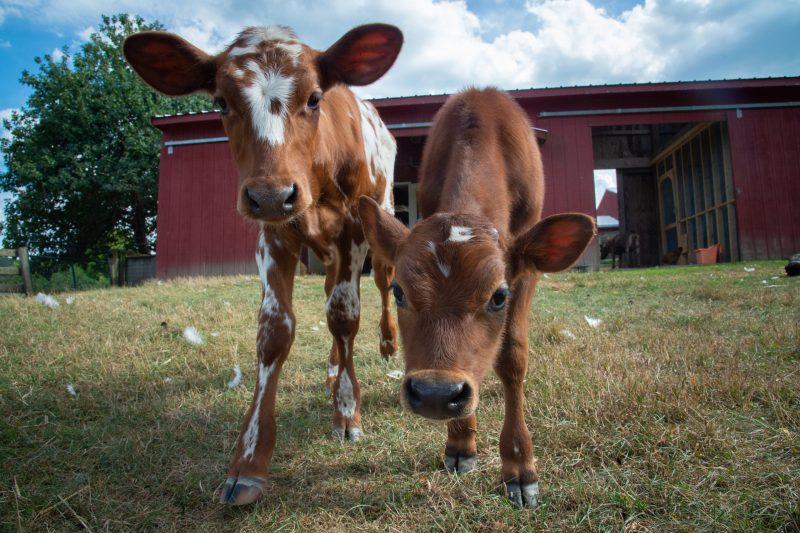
(765, 156)
(199, 231)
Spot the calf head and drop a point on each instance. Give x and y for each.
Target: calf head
(452, 287)
(270, 90)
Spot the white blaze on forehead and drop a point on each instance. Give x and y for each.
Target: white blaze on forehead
(460, 234)
(380, 150)
(264, 89)
(250, 438)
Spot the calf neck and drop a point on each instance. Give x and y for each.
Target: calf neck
(466, 273)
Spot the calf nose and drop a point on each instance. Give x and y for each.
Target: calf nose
(272, 201)
(437, 399)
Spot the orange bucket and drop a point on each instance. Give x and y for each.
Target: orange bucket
(707, 256)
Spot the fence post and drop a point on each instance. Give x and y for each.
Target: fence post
(113, 268)
(25, 269)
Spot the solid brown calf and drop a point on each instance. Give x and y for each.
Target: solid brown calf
(466, 273)
(306, 148)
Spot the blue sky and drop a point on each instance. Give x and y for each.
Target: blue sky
(507, 43)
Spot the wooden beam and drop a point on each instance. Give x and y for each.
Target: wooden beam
(9, 271)
(8, 253)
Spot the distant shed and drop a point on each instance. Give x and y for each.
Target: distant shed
(698, 163)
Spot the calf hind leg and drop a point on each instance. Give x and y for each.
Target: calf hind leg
(383, 274)
(343, 311)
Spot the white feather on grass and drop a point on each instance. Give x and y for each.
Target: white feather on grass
(71, 390)
(192, 336)
(594, 322)
(46, 299)
(749, 269)
(237, 377)
(567, 333)
(70, 300)
(395, 374)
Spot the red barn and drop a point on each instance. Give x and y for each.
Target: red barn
(698, 163)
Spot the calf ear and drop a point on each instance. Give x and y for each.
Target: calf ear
(554, 244)
(361, 56)
(170, 64)
(383, 232)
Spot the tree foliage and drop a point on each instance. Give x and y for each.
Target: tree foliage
(82, 162)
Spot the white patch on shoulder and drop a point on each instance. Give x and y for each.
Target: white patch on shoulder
(460, 234)
(266, 88)
(250, 438)
(443, 268)
(380, 150)
(346, 401)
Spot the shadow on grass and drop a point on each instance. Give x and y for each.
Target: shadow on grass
(134, 453)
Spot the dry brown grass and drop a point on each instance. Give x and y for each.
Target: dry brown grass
(680, 412)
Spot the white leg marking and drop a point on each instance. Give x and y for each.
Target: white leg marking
(333, 370)
(251, 435)
(345, 293)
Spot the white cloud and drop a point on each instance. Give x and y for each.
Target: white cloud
(511, 44)
(5, 114)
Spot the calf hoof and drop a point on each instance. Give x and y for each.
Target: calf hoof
(523, 494)
(242, 490)
(460, 464)
(351, 434)
(388, 349)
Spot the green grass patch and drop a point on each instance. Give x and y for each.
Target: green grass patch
(680, 412)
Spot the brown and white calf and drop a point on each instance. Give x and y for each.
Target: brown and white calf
(466, 273)
(306, 148)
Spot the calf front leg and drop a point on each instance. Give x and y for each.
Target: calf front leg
(460, 452)
(276, 327)
(516, 452)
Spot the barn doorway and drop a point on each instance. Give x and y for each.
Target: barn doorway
(674, 189)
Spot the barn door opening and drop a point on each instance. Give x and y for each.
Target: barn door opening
(629, 149)
(696, 196)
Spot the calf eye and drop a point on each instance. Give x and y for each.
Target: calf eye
(399, 295)
(498, 300)
(313, 100)
(221, 104)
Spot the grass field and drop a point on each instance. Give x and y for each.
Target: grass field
(680, 412)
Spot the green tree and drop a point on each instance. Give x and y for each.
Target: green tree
(82, 161)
